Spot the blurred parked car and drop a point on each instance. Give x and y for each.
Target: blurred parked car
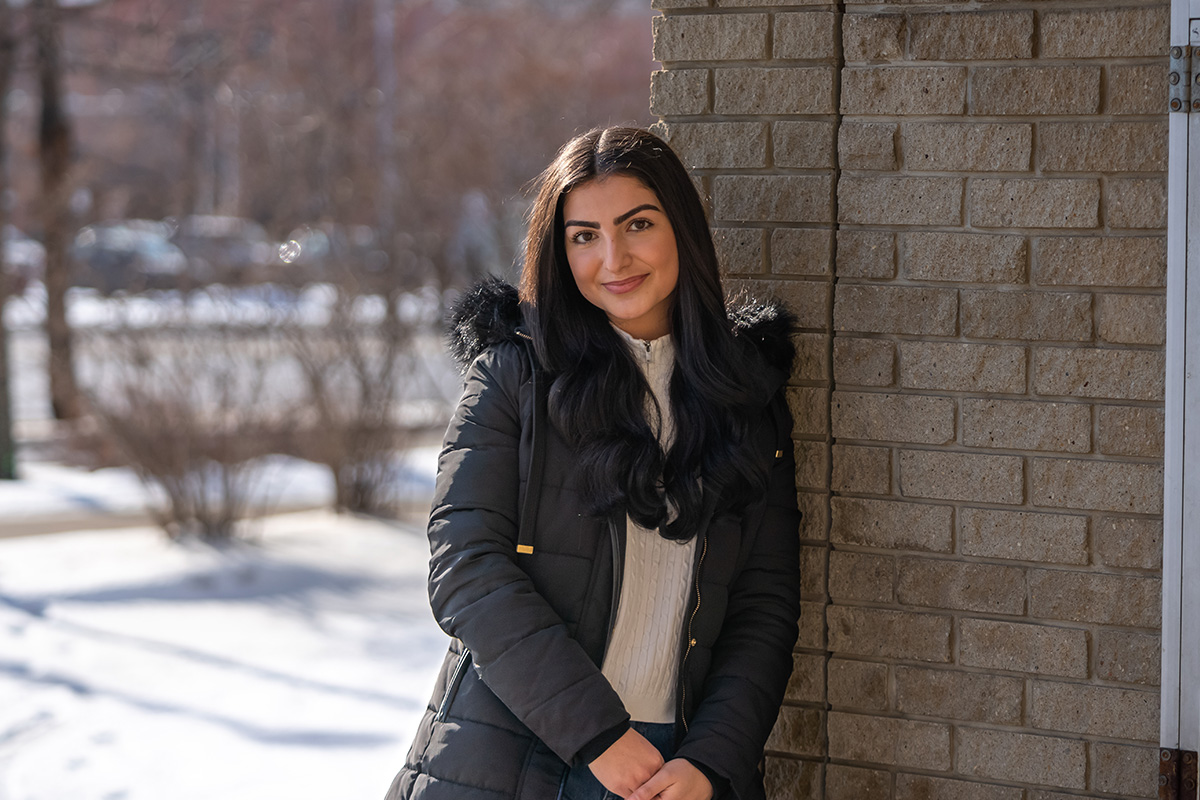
(228, 250)
(333, 253)
(24, 259)
(127, 255)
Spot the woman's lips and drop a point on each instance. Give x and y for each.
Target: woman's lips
(627, 285)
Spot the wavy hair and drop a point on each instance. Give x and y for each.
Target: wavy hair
(598, 397)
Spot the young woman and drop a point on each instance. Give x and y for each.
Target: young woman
(614, 533)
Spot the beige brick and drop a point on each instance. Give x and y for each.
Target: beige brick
(801, 251)
(1097, 485)
(867, 145)
(866, 254)
(813, 568)
(927, 787)
(1131, 431)
(1094, 597)
(953, 585)
(1124, 542)
(861, 685)
(1021, 758)
(798, 731)
(1103, 146)
(964, 257)
(899, 91)
(662, 4)
(812, 464)
(1104, 33)
(962, 367)
(885, 741)
(679, 92)
(1095, 710)
(808, 300)
(1136, 203)
(861, 577)
(719, 145)
(1125, 770)
(864, 362)
(969, 36)
(1026, 315)
(791, 779)
(812, 628)
(772, 198)
(1101, 373)
(951, 694)
(978, 147)
(757, 90)
(1027, 425)
(1034, 203)
(710, 37)
(810, 409)
(803, 144)
(854, 783)
(762, 3)
(811, 361)
(1101, 261)
(880, 417)
(895, 309)
(1023, 536)
(883, 633)
(806, 34)
(903, 200)
(814, 506)
(873, 37)
(1027, 91)
(739, 250)
(807, 683)
(1128, 657)
(1132, 318)
(864, 470)
(961, 476)
(892, 524)
(1136, 89)
(1018, 647)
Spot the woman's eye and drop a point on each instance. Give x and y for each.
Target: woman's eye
(582, 237)
(640, 224)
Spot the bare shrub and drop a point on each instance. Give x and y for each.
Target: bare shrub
(356, 369)
(193, 409)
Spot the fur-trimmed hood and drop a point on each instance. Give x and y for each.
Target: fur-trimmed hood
(489, 313)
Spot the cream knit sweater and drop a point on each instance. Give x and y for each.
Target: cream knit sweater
(642, 661)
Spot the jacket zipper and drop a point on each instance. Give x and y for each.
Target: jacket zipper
(691, 641)
(452, 689)
(618, 576)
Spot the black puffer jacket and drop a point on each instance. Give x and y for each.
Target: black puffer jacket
(520, 693)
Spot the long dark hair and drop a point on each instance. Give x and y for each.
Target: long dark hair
(598, 396)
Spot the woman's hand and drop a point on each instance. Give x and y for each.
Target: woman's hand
(628, 763)
(677, 780)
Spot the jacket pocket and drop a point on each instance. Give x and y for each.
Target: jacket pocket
(460, 669)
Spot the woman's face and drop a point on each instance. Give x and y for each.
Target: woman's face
(621, 249)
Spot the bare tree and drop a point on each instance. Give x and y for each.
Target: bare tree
(54, 152)
(8, 47)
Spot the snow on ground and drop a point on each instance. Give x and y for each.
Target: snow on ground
(294, 665)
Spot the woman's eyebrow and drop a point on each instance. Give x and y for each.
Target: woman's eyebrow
(585, 224)
(632, 211)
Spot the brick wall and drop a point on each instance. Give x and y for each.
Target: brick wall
(965, 203)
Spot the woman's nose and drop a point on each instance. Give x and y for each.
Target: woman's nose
(617, 255)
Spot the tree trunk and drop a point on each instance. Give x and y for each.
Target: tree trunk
(8, 445)
(54, 153)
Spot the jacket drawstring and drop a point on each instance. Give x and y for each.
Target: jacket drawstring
(533, 481)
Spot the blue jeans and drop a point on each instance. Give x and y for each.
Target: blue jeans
(580, 784)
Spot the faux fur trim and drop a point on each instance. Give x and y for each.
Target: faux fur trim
(489, 313)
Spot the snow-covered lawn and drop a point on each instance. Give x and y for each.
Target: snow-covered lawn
(294, 665)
